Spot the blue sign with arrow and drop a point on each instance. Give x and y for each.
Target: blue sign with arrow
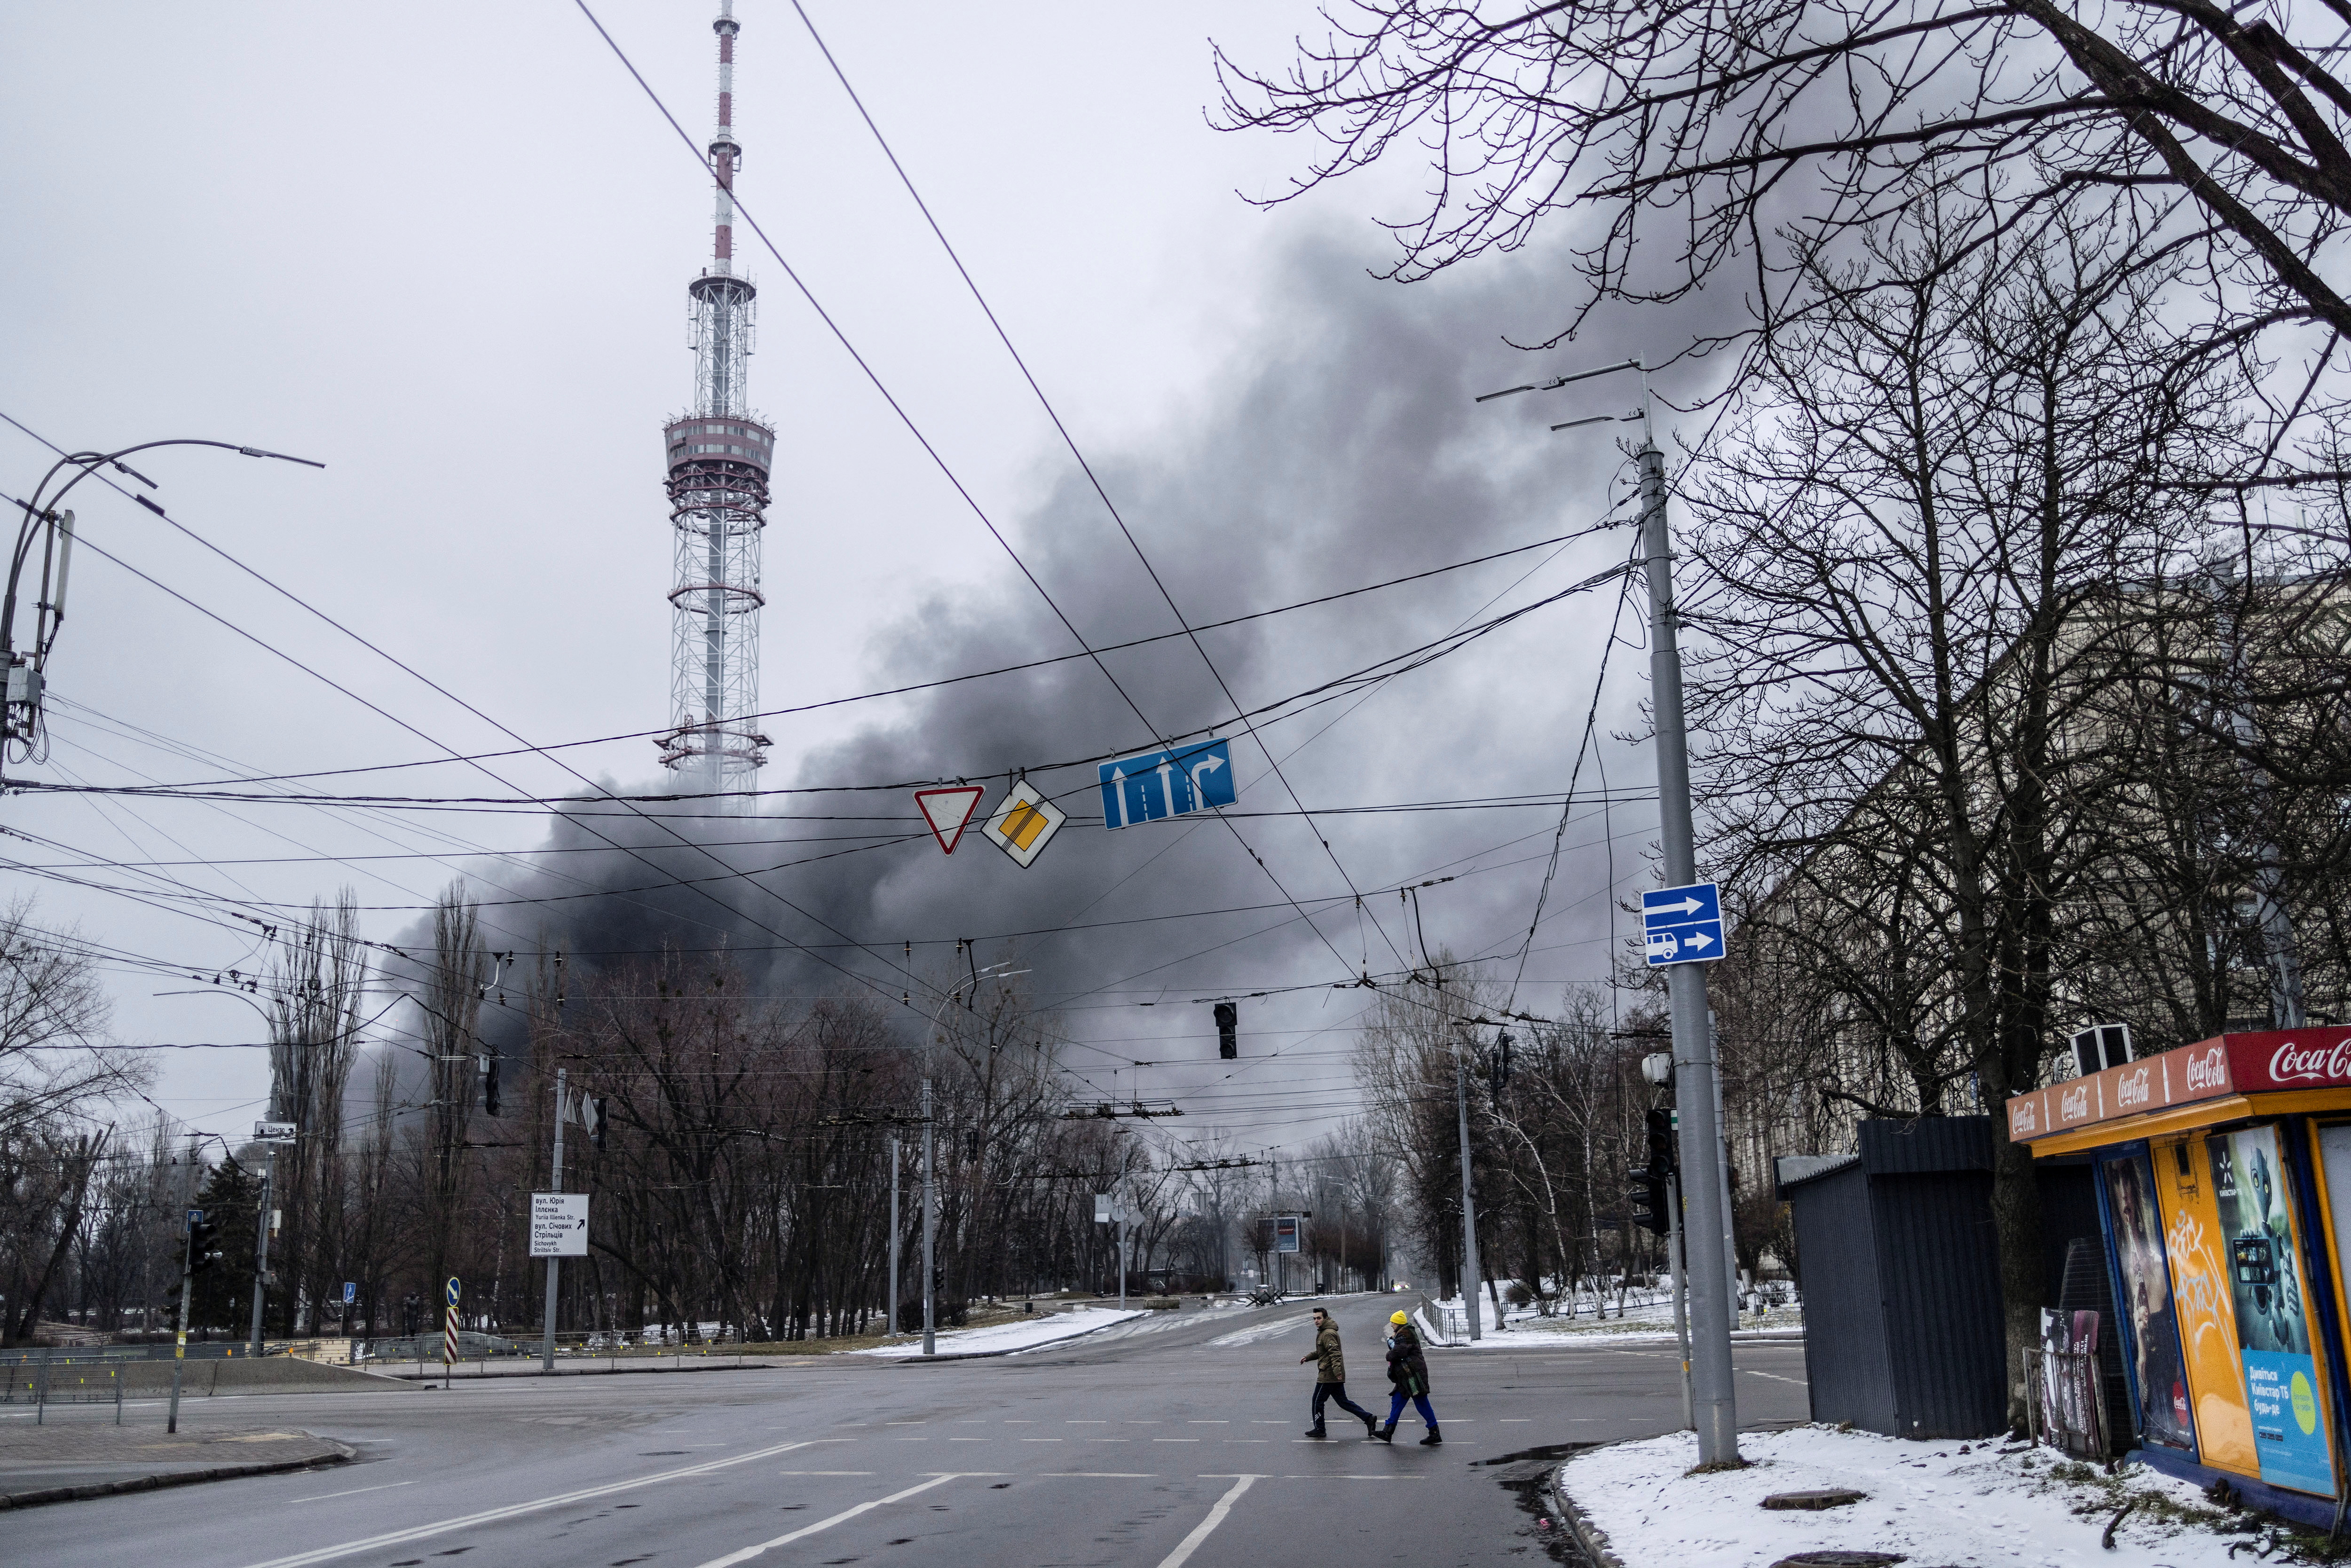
(1682, 925)
(1166, 784)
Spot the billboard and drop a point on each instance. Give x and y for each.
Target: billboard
(2270, 1295)
(1285, 1233)
(2151, 1327)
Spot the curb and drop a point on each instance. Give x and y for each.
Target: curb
(608, 1371)
(174, 1479)
(1593, 1539)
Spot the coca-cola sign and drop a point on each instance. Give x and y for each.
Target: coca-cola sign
(2207, 1068)
(2308, 1062)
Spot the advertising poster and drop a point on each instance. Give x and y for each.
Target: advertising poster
(2150, 1328)
(2201, 1302)
(2266, 1286)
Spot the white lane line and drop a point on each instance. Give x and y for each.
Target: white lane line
(1103, 1475)
(824, 1472)
(747, 1553)
(1772, 1375)
(514, 1510)
(354, 1493)
(1207, 1527)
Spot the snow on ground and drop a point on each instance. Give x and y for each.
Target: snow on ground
(1161, 1320)
(1651, 1322)
(1289, 1324)
(1934, 1503)
(1021, 1333)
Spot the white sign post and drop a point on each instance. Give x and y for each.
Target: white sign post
(558, 1225)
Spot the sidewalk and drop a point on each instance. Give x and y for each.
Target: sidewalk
(1637, 1505)
(67, 1461)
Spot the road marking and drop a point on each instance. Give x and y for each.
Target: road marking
(1354, 1478)
(747, 1553)
(1039, 1440)
(1772, 1375)
(1085, 1423)
(354, 1493)
(1207, 1423)
(1174, 1439)
(1207, 1527)
(1105, 1474)
(514, 1510)
(1516, 1420)
(824, 1472)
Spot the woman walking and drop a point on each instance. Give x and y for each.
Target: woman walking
(1408, 1379)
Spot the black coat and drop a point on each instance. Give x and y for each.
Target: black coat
(1407, 1367)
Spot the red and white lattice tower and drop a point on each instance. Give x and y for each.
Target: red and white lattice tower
(718, 464)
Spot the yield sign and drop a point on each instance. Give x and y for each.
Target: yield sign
(947, 810)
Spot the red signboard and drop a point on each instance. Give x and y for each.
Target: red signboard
(2263, 1063)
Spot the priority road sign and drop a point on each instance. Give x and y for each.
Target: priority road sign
(558, 1225)
(947, 810)
(1158, 784)
(1025, 821)
(1682, 925)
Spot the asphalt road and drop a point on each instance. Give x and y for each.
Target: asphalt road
(1174, 1444)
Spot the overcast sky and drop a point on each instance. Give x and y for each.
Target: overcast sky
(443, 249)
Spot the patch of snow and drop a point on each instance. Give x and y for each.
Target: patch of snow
(1255, 1331)
(1026, 1333)
(1927, 1500)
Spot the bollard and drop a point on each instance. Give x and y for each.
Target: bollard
(41, 1390)
(117, 1375)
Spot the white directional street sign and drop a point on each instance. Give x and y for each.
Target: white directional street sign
(1682, 925)
(947, 810)
(273, 1132)
(1025, 821)
(1165, 783)
(558, 1225)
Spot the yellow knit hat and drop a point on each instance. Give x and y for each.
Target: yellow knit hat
(1397, 1318)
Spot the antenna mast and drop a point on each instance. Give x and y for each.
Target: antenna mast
(718, 463)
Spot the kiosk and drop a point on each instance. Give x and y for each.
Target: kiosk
(2224, 1183)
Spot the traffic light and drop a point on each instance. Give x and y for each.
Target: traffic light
(203, 1243)
(1652, 1195)
(1501, 1064)
(1659, 1125)
(1229, 1018)
(489, 1084)
(591, 1114)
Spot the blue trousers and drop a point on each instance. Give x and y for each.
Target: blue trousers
(1419, 1403)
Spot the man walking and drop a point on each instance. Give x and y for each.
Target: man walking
(1330, 1377)
(1408, 1379)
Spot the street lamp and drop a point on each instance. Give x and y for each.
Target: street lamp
(23, 673)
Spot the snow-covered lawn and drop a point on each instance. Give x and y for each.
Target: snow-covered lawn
(1022, 1333)
(1933, 1502)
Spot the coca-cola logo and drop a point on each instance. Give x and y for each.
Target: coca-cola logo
(2292, 1062)
(2025, 1114)
(2133, 1088)
(2208, 1070)
(2073, 1103)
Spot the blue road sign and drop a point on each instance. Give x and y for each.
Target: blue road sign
(451, 1290)
(351, 1292)
(1682, 925)
(1166, 784)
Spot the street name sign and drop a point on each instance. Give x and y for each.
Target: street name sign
(1682, 925)
(947, 810)
(1158, 784)
(558, 1225)
(1025, 821)
(273, 1132)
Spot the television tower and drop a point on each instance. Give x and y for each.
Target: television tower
(718, 464)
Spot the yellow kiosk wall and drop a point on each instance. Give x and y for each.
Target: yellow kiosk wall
(2201, 1294)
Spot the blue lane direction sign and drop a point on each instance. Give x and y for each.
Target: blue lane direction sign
(1682, 925)
(1166, 784)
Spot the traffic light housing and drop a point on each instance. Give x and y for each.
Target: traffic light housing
(1502, 1063)
(591, 1111)
(1652, 1195)
(203, 1244)
(489, 1084)
(1659, 1126)
(1229, 1018)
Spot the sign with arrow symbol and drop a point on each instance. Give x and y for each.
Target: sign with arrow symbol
(558, 1225)
(1682, 925)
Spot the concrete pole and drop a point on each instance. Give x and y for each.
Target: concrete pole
(1729, 1240)
(547, 1341)
(261, 1243)
(930, 1224)
(1715, 1404)
(180, 1344)
(1469, 1201)
(1122, 1232)
(892, 1328)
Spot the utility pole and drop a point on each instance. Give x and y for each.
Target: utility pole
(1681, 1286)
(261, 1241)
(930, 1223)
(555, 1184)
(1715, 1403)
(1468, 1199)
(180, 1343)
(891, 1333)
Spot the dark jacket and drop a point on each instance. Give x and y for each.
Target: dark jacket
(1407, 1367)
